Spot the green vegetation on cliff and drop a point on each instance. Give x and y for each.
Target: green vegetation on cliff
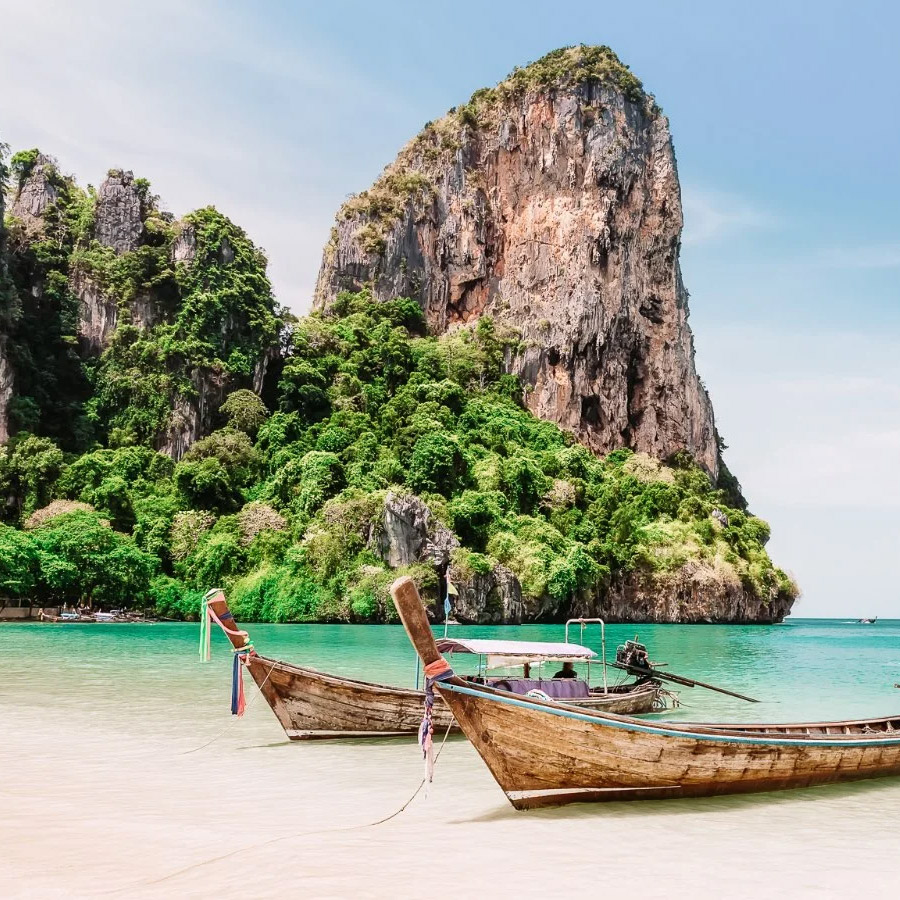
(282, 508)
(280, 493)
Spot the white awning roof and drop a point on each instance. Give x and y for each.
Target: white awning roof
(522, 651)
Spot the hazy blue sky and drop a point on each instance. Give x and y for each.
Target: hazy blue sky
(787, 130)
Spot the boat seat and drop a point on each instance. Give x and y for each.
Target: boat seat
(557, 688)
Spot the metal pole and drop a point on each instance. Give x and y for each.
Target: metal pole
(446, 606)
(603, 651)
(581, 641)
(416, 682)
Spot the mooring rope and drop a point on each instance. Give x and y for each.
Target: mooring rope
(232, 720)
(287, 837)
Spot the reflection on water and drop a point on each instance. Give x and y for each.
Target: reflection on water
(103, 787)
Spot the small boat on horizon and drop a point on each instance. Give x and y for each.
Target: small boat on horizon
(313, 704)
(546, 754)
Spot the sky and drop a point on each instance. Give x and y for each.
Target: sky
(786, 123)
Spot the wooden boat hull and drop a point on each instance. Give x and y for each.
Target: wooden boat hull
(642, 699)
(311, 704)
(542, 756)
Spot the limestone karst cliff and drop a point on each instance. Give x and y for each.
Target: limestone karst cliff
(109, 290)
(550, 203)
(496, 388)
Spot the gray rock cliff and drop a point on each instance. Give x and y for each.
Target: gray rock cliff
(408, 533)
(7, 385)
(118, 224)
(32, 196)
(553, 207)
(120, 212)
(194, 412)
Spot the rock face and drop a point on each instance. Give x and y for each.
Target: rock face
(185, 247)
(120, 213)
(118, 224)
(97, 313)
(193, 415)
(551, 204)
(35, 193)
(6, 389)
(490, 598)
(408, 533)
(639, 597)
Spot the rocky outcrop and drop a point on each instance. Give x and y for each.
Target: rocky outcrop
(488, 598)
(144, 311)
(118, 224)
(37, 191)
(408, 533)
(683, 598)
(551, 204)
(7, 383)
(194, 415)
(97, 313)
(119, 221)
(184, 249)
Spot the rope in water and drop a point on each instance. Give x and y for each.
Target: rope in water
(439, 670)
(288, 837)
(232, 720)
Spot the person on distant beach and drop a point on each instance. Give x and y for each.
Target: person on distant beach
(567, 671)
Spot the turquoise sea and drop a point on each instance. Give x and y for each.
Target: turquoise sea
(121, 770)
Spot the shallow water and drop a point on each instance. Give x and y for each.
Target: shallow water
(122, 773)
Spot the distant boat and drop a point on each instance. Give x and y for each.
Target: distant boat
(867, 621)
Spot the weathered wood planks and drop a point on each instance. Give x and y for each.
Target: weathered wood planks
(547, 754)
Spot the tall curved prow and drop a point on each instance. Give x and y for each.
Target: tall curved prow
(262, 670)
(412, 615)
(218, 605)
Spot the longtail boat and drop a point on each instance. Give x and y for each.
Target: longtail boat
(311, 704)
(546, 754)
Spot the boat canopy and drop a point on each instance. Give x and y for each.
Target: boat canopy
(516, 653)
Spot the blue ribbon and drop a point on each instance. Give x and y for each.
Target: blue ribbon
(235, 676)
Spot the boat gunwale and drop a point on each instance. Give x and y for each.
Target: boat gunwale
(696, 732)
(293, 668)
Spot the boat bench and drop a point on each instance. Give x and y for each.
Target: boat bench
(557, 688)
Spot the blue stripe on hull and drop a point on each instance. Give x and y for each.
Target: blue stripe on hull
(672, 732)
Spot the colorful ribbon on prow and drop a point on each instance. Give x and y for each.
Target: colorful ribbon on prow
(241, 654)
(439, 670)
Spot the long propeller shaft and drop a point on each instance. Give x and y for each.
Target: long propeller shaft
(678, 679)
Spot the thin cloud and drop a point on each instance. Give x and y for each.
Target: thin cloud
(810, 418)
(205, 102)
(713, 215)
(873, 256)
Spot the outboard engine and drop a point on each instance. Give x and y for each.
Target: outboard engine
(633, 655)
